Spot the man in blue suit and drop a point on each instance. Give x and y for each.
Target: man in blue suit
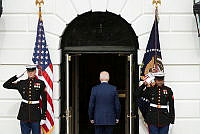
(104, 106)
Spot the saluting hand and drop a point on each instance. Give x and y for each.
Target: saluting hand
(145, 83)
(20, 75)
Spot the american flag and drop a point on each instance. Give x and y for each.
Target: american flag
(41, 58)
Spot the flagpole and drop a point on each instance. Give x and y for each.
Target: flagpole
(39, 4)
(156, 3)
(41, 58)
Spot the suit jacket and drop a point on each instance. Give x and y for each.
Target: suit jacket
(30, 90)
(104, 105)
(159, 96)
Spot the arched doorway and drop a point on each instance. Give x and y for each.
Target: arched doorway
(93, 42)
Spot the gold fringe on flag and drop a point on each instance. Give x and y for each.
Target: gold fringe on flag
(50, 131)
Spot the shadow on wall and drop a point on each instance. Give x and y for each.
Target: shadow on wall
(2, 23)
(1, 8)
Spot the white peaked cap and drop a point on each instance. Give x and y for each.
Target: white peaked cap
(159, 74)
(32, 66)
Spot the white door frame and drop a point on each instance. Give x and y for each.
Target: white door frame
(67, 93)
(68, 116)
(130, 92)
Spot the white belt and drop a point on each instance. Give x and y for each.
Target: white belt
(30, 102)
(158, 106)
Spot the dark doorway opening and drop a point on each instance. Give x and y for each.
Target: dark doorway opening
(85, 76)
(92, 42)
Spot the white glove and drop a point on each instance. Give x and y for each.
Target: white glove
(117, 120)
(171, 128)
(92, 121)
(42, 122)
(150, 78)
(20, 75)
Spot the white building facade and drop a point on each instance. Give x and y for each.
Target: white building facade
(178, 38)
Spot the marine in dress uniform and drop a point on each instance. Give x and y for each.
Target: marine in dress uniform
(161, 112)
(104, 106)
(30, 114)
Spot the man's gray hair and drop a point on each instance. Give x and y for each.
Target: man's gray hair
(104, 75)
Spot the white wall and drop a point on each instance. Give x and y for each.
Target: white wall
(181, 56)
(178, 37)
(17, 36)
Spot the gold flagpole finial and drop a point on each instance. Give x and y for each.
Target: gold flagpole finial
(156, 3)
(39, 2)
